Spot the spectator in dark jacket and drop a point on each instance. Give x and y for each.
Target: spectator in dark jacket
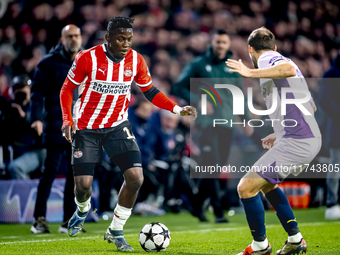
(329, 100)
(26, 144)
(48, 80)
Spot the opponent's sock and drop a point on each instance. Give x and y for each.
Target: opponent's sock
(283, 211)
(83, 206)
(257, 246)
(255, 216)
(121, 214)
(295, 238)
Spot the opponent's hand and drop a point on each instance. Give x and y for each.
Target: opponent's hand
(189, 110)
(238, 67)
(268, 141)
(67, 132)
(38, 126)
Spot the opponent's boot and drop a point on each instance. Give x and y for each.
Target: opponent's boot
(250, 251)
(293, 248)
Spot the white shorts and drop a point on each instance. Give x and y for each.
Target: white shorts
(288, 156)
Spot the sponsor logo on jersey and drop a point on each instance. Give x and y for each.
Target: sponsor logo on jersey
(208, 68)
(77, 154)
(70, 73)
(276, 58)
(103, 71)
(74, 65)
(128, 73)
(110, 88)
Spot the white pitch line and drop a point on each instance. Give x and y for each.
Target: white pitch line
(51, 240)
(181, 232)
(57, 240)
(43, 235)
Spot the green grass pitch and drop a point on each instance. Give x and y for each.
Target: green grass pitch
(188, 235)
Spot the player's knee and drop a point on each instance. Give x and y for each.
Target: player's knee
(83, 190)
(83, 185)
(82, 193)
(135, 181)
(243, 189)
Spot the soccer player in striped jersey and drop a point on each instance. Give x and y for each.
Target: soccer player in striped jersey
(290, 148)
(105, 74)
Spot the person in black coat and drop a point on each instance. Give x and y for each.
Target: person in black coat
(47, 121)
(329, 100)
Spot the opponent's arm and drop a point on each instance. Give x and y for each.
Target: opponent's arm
(66, 100)
(157, 98)
(282, 69)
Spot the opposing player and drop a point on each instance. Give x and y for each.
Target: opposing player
(289, 147)
(105, 74)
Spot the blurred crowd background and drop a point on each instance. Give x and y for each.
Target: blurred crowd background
(169, 34)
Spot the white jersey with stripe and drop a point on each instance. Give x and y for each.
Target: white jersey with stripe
(300, 126)
(105, 86)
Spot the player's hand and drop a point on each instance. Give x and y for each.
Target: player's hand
(189, 110)
(38, 126)
(67, 132)
(238, 67)
(268, 141)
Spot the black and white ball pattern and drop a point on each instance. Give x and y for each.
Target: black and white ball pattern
(154, 236)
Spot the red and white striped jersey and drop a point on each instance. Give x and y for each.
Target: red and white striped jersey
(105, 86)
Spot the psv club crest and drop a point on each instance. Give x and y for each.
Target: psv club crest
(77, 154)
(128, 73)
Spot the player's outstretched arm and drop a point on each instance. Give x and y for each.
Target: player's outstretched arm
(281, 70)
(66, 99)
(144, 82)
(157, 98)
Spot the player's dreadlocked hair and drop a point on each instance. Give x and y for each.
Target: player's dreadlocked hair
(119, 22)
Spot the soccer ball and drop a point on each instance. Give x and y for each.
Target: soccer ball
(154, 236)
